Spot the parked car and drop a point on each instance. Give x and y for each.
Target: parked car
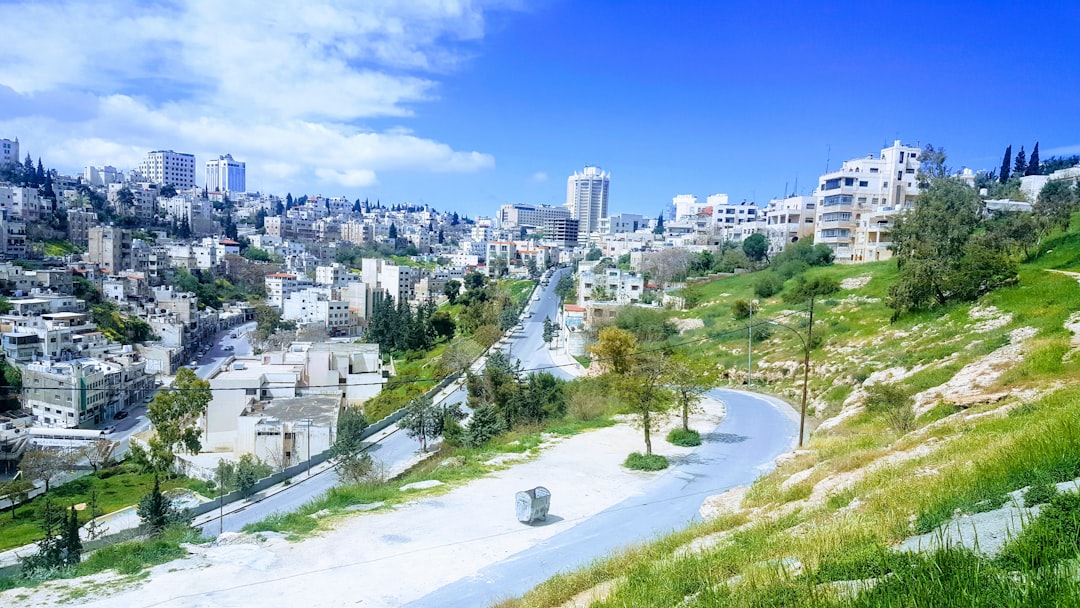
(228, 347)
(109, 430)
(120, 415)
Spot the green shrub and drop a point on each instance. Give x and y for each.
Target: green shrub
(768, 284)
(894, 403)
(640, 462)
(684, 438)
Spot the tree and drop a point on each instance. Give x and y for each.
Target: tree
(641, 387)
(647, 325)
(50, 549)
(565, 288)
(689, 378)
(756, 247)
(929, 244)
(158, 512)
(1056, 203)
(458, 356)
(351, 426)
(451, 290)
(614, 350)
(593, 254)
(1033, 163)
(167, 191)
(94, 529)
(443, 324)
(15, 491)
(530, 265)
(72, 544)
(549, 330)
(393, 232)
(931, 165)
(249, 470)
(659, 229)
(482, 427)
(422, 420)
(40, 464)
(175, 412)
(99, 452)
(1006, 166)
(1020, 165)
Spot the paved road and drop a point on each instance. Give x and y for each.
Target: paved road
(755, 431)
(396, 447)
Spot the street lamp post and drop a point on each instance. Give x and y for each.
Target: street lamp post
(806, 372)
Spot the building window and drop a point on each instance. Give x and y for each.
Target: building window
(849, 181)
(873, 170)
(863, 184)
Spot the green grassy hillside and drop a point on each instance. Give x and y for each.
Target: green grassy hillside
(995, 389)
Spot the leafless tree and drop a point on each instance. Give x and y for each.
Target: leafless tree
(99, 453)
(667, 265)
(39, 464)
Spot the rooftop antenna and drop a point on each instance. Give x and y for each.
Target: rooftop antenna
(828, 156)
(785, 189)
(796, 190)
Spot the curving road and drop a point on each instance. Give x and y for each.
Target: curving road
(755, 430)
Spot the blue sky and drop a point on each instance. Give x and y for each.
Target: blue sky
(467, 106)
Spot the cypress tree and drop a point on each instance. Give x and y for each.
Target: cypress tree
(1006, 165)
(1020, 166)
(70, 539)
(1033, 164)
(393, 232)
(39, 176)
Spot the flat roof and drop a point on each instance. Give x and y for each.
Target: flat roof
(321, 409)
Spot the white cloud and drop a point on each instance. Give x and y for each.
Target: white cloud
(285, 86)
(1061, 151)
(539, 177)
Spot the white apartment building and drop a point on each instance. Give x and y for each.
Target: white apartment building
(334, 275)
(611, 285)
(315, 305)
(397, 281)
(102, 176)
(856, 204)
(223, 174)
(167, 167)
(514, 216)
(9, 151)
(278, 287)
(687, 206)
(587, 199)
(728, 217)
(623, 222)
(84, 391)
(789, 219)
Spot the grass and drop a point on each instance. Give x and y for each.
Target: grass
(645, 462)
(117, 487)
(128, 558)
(584, 360)
(59, 248)
(417, 373)
(684, 438)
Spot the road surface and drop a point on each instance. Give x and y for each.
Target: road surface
(754, 431)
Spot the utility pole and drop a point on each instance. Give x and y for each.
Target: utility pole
(749, 344)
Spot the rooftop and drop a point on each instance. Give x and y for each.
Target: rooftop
(322, 410)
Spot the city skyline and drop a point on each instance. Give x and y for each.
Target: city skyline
(469, 107)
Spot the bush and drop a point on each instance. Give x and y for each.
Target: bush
(684, 438)
(894, 403)
(740, 309)
(792, 268)
(640, 462)
(768, 284)
(761, 333)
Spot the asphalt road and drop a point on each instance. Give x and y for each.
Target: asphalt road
(754, 431)
(397, 447)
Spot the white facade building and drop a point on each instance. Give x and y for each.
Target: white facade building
(223, 174)
(533, 216)
(168, 167)
(788, 220)
(856, 205)
(587, 199)
(9, 151)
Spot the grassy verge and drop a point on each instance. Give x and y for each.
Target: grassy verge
(126, 558)
(117, 487)
(417, 373)
(645, 462)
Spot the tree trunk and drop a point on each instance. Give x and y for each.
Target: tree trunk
(686, 416)
(648, 440)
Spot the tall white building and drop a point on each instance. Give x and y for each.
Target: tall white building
(167, 167)
(587, 199)
(223, 174)
(856, 205)
(9, 151)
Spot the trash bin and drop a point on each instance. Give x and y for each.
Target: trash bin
(532, 505)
